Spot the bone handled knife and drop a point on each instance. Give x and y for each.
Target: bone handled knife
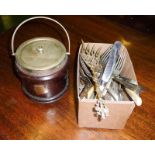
(135, 97)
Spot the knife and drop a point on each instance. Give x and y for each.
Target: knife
(132, 88)
(135, 97)
(108, 71)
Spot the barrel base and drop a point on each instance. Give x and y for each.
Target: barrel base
(46, 100)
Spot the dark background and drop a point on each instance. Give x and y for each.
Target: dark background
(141, 23)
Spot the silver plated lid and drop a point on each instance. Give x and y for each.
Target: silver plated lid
(41, 53)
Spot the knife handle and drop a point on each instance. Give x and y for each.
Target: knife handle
(134, 97)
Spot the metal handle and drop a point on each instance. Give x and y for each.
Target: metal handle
(39, 17)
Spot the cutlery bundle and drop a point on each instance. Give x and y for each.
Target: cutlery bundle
(106, 75)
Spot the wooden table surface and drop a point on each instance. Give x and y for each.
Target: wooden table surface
(21, 118)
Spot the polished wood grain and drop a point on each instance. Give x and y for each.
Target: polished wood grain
(21, 118)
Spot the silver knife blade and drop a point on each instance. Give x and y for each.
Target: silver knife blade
(108, 71)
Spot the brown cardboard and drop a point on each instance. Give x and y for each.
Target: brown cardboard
(119, 111)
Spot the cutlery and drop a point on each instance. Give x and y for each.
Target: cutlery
(111, 63)
(132, 89)
(112, 67)
(135, 97)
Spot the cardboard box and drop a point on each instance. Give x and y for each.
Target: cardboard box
(120, 111)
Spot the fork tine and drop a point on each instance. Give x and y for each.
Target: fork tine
(87, 48)
(97, 54)
(83, 46)
(107, 51)
(125, 54)
(121, 61)
(104, 57)
(92, 50)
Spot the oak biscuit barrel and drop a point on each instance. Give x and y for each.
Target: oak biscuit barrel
(41, 63)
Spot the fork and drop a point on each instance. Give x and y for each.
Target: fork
(104, 57)
(117, 70)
